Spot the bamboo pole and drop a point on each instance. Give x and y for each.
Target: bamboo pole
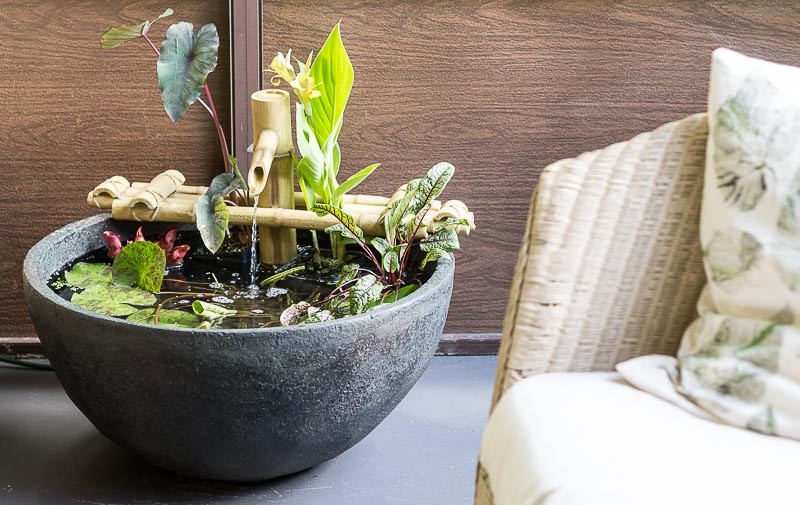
(105, 202)
(162, 186)
(182, 211)
(113, 187)
(379, 201)
(271, 175)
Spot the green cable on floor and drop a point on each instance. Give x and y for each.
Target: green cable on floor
(28, 364)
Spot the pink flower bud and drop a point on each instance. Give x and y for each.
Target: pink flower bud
(175, 256)
(113, 243)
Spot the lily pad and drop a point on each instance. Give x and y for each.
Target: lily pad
(85, 275)
(112, 300)
(140, 264)
(166, 317)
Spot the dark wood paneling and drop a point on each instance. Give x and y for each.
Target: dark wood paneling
(499, 88)
(503, 88)
(72, 115)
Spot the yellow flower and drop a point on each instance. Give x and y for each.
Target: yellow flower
(303, 84)
(281, 66)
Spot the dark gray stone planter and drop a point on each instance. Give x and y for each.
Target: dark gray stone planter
(239, 405)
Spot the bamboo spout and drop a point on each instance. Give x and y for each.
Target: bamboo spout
(263, 155)
(271, 176)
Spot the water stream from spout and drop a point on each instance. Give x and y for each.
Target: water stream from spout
(254, 248)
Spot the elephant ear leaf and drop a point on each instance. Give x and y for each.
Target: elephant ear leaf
(118, 35)
(212, 220)
(226, 183)
(185, 61)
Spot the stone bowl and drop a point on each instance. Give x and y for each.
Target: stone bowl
(238, 405)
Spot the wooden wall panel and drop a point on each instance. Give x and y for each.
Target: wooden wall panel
(502, 88)
(499, 88)
(72, 115)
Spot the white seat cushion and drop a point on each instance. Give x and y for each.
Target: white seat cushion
(592, 439)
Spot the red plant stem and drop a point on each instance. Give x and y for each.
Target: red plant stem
(220, 132)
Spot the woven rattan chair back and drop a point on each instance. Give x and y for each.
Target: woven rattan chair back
(610, 265)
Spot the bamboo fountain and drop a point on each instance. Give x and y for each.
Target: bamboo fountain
(284, 398)
(280, 209)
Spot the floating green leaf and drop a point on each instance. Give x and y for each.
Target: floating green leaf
(333, 75)
(211, 310)
(118, 35)
(166, 317)
(85, 275)
(211, 214)
(364, 292)
(113, 300)
(184, 64)
(140, 264)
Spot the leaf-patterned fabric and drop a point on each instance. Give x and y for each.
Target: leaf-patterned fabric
(740, 360)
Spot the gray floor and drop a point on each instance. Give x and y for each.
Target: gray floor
(423, 453)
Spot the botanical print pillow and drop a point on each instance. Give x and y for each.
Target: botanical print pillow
(740, 361)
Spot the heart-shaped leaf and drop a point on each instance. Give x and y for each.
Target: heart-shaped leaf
(85, 275)
(211, 214)
(166, 317)
(226, 183)
(113, 300)
(118, 35)
(184, 64)
(140, 264)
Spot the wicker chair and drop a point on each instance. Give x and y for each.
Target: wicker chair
(610, 265)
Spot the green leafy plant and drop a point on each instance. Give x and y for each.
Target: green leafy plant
(185, 60)
(358, 290)
(211, 212)
(322, 88)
